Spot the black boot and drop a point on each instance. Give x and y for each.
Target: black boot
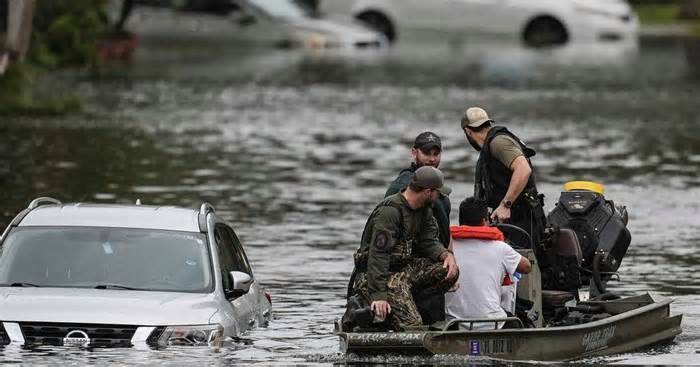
(357, 314)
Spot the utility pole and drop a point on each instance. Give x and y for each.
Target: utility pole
(19, 27)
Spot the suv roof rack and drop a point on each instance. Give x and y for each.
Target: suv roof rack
(43, 200)
(32, 205)
(204, 209)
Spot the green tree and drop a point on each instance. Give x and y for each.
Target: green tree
(65, 34)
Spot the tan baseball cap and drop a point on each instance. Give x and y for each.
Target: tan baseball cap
(475, 117)
(429, 177)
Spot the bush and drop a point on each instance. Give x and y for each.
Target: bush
(66, 32)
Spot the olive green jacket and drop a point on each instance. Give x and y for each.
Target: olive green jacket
(384, 241)
(441, 208)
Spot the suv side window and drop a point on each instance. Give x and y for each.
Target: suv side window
(240, 257)
(227, 257)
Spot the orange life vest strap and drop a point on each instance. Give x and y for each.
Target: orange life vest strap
(477, 232)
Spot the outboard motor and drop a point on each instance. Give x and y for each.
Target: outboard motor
(601, 232)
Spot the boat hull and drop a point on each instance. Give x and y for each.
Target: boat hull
(637, 322)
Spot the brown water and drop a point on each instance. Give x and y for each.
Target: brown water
(294, 148)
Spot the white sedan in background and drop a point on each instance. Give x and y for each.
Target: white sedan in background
(284, 23)
(536, 22)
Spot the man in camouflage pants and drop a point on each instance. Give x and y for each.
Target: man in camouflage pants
(427, 151)
(401, 254)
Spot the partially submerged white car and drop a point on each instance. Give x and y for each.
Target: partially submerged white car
(96, 275)
(283, 23)
(537, 22)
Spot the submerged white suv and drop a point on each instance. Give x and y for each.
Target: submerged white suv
(96, 275)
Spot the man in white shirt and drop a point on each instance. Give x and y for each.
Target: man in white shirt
(484, 260)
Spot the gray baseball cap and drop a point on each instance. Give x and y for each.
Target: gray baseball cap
(475, 117)
(428, 177)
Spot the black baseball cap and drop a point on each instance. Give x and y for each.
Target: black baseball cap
(427, 140)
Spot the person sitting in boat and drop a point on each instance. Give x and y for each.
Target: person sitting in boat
(400, 255)
(485, 260)
(426, 151)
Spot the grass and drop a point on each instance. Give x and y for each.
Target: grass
(658, 14)
(666, 15)
(17, 95)
(695, 29)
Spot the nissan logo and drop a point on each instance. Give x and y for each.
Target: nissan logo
(77, 338)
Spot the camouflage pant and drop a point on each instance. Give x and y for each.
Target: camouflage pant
(420, 274)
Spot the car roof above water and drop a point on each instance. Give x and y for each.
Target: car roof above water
(114, 215)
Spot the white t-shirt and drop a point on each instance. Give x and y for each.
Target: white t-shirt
(482, 266)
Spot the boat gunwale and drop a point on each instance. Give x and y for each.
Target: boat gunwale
(589, 325)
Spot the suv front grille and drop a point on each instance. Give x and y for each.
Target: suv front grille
(100, 335)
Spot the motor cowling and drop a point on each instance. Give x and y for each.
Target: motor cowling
(599, 225)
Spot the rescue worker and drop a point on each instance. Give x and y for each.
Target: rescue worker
(427, 151)
(400, 254)
(504, 177)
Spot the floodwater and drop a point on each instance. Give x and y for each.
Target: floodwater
(295, 148)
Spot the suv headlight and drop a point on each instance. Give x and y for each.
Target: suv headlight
(315, 40)
(192, 335)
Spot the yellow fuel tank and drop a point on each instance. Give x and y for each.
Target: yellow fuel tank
(585, 185)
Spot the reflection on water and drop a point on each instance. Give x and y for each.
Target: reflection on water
(295, 148)
(692, 55)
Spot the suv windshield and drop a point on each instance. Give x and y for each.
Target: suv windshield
(107, 258)
(282, 8)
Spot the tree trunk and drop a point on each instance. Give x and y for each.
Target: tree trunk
(19, 27)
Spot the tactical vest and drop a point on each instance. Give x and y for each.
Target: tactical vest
(402, 251)
(493, 177)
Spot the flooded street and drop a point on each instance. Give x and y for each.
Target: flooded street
(294, 149)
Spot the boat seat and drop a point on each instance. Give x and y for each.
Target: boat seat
(568, 245)
(553, 299)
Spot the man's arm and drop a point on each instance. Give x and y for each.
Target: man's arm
(512, 260)
(385, 232)
(524, 265)
(521, 174)
(429, 245)
(428, 241)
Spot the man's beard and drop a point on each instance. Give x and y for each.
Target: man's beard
(430, 201)
(473, 143)
(420, 164)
